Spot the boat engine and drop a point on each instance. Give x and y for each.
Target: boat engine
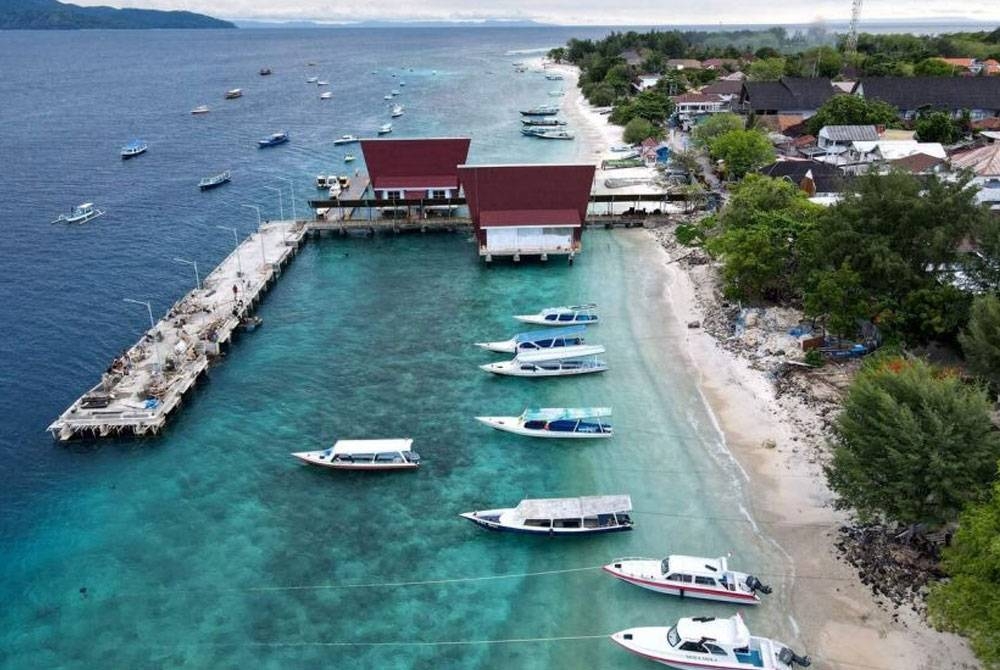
(755, 585)
(789, 657)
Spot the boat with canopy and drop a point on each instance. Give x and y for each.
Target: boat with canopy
(133, 149)
(273, 141)
(537, 339)
(559, 362)
(562, 316)
(393, 454)
(706, 642)
(690, 577)
(215, 181)
(585, 515)
(81, 214)
(555, 422)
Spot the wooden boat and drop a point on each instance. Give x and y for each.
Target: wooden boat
(543, 110)
(557, 362)
(133, 149)
(81, 214)
(201, 109)
(215, 181)
(690, 577)
(543, 121)
(234, 93)
(562, 316)
(273, 141)
(706, 642)
(548, 134)
(537, 339)
(264, 71)
(555, 422)
(364, 455)
(586, 515)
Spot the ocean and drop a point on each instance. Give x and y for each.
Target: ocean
(209, 546)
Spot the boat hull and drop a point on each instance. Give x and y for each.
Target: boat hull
(539, 320)
(505, 347)
(669, 588)
(513, 370)
(126, 155)
(305, 458)
(511, 424)
(545, 532)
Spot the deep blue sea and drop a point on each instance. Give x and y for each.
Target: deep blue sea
(209, 547)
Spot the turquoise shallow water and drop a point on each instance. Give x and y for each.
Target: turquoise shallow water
(372, 338)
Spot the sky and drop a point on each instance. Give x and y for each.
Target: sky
(573, 12)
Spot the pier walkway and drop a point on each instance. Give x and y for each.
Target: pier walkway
(146, 383)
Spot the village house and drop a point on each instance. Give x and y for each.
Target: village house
(692, 104)
(980, 96)
(823, 183)
(720, 64)
(787, 96)
(645, 81)
(984, 163)
(727, 89)
(838, 139)
(683, 64)
(864, 156)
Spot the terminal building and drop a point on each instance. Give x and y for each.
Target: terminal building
(414, 169)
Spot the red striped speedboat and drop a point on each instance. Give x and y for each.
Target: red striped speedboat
(690, 577)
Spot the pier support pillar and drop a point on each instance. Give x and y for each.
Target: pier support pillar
(517, 258)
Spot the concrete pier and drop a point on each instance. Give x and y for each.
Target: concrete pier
(141, 388)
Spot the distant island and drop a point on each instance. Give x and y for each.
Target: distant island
(54, 15)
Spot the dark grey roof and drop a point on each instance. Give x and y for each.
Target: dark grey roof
(787, 94)
(724, 87)
(950, 93)
(828, 179)
(849, 133)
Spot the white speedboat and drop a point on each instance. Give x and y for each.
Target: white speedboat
(555, 422)
(364, 455)
(587, 515)
(349, 158)
(387, 96)
(133, 149)
(80, 214)
(325, 96)
(322, 83)
(690, 577)
(706, 642)
(394, 92)
(557, 362)
(234, 93)
(346, 139)
(201, 109)
(562, 316)
(537, 339)
(397, 111)
(621, 148)
(385, 129)
(312, 80)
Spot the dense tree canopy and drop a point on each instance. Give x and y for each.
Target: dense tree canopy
(913, 444)
(741, 151)
(715, 125)
(937, 127)
(852, 110)
(766, 69)
(639, 129)
(981, 339)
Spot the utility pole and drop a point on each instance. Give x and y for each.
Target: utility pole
(851, 46)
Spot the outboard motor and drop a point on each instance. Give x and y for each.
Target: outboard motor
(755, 585)
(789, 657)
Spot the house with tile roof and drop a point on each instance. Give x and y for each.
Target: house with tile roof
(691, 104)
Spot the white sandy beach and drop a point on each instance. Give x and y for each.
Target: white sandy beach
(840, 623)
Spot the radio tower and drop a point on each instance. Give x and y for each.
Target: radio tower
(852, 36)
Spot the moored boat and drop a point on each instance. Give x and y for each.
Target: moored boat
(81, 214)
(543, 110)
(555, 422)
(558, 362)
(264, 71)
(586, 515)
(397, 111)
(346, 139)
(214, 181)
(554, 76)
(387, 96)
(201, 109)
(562, 316)
(537, 339)
(322, 82)
(312, 80)
(326, 95)
(133, 149)
(706, 642)
(543, 121)
(273, 141)
(690, 577)
(385, 129)
(548, 133)
(234, 93)
(394, 92)
(349, 158)
(393, 454)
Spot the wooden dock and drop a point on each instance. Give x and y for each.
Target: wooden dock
(141, 388)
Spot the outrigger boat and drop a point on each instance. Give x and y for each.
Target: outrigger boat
(706, 642)
(346, 139)
(543, 122)
(214, 181)
(364, 455)
(80, 214)
(537, 339)
(559, 362)
(690, 577)
(562, 316)
(586, 515)
(555, 422)
(273, 141)
(133, 149)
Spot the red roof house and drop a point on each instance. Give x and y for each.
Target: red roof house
(527, 209)
(415, 168)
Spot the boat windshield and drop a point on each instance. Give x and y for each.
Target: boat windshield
(672, 637)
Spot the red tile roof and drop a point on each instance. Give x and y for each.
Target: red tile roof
(520, 195)
(414, 163)
(697, 97)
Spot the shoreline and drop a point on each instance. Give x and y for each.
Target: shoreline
(778, 444)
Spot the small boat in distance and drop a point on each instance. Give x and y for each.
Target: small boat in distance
(348, 158)
(346, 139)
(234, 93)
(554, 76)
(264, 71)
(201, 109)
(273, 141)
(214, 181)
(312, 80)
(385, 129)
(562, 316)
(322, 82)
(81, 214)
(387, 97)
(586, 515)
(555, 422)
(707, 642)
(537, 340)
(543, 110)
(547, 133)
(133, 149)
(402, 83)
(557, 362)
(325, 96)
(364, 455)
(397, 111)
(394, 92)
(690, 577)
(542, 122)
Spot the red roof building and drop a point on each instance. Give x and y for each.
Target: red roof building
(527, 209)
(415, 168)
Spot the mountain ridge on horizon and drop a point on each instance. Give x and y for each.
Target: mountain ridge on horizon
(55, 15)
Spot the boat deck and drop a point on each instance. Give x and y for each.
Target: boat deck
(139, 391)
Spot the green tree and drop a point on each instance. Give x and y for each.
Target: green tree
(715, 125)
(639, 129)
(766, 69)
(852, 110)
(913, 444)
(933, 67)
(963, 603)
(981, 339)
(557, 55)
(742, 151)
(687, 160)
(600, 95)
(937, 127)
(838, 297)
(652, 105)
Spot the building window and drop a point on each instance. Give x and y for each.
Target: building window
(439, 194)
